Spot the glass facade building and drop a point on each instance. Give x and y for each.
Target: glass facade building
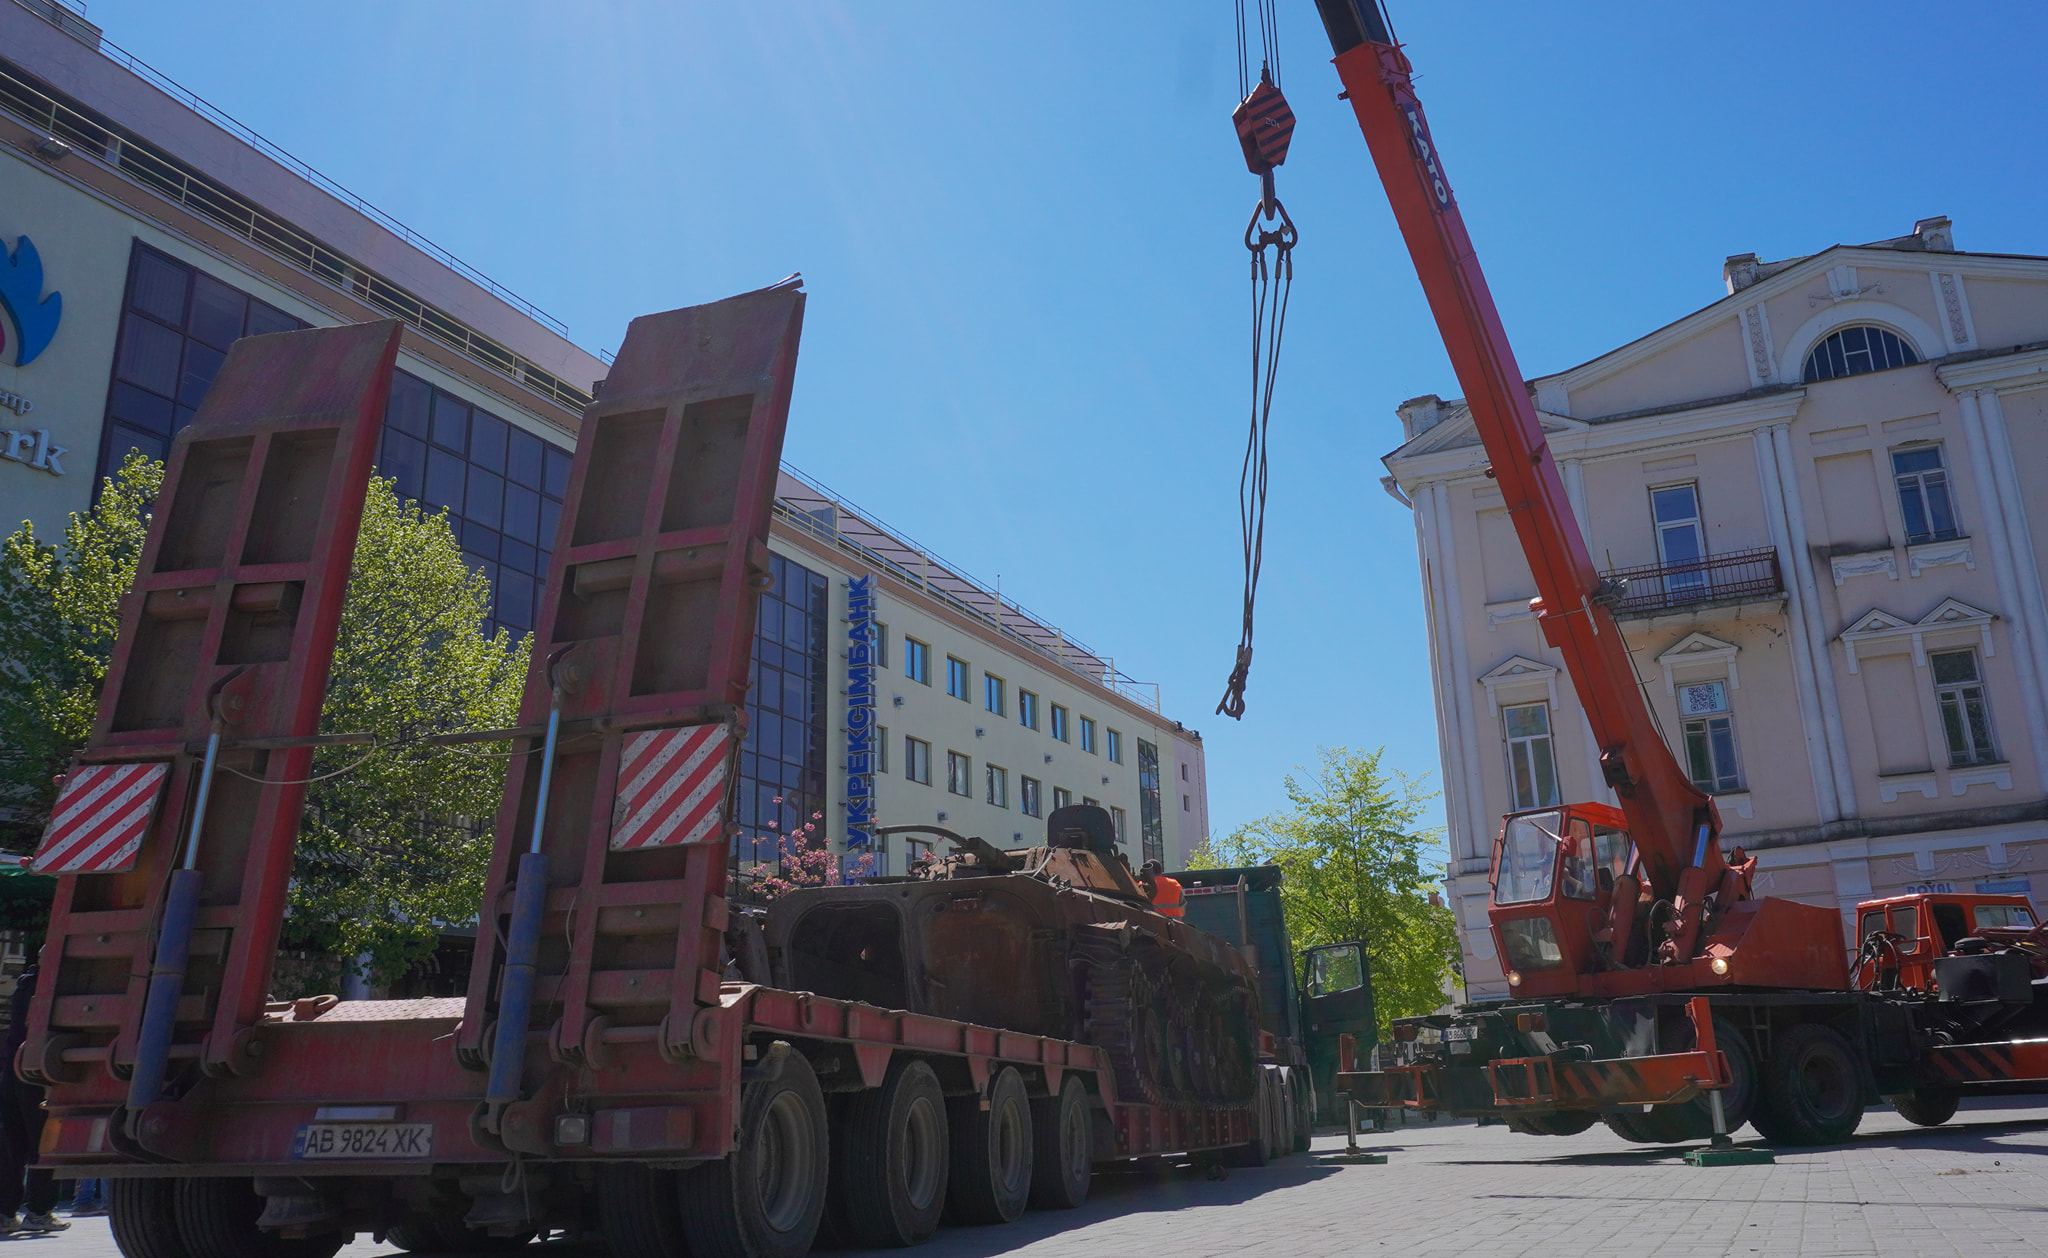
(782, 763)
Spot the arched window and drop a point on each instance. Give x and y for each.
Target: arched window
(1853, 351)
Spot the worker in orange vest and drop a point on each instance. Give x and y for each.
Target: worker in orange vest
(1165, 892)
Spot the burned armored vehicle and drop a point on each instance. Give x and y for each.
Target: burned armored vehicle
(1059, 940)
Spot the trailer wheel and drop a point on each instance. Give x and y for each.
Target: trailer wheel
(217, 1219)
(445, 1234)
(764, 1199)
(1304, 1112)
(1563, 1122)
(1063, 1153)
(992, 1153)
(892, 1159)
(144, 1218)
(636, 1211)
(1812, 1092)
(1925, 1107)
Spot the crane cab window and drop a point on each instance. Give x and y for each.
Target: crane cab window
(1906, 924)
(2004, 916)
(1949, 924)
(1871, 924)
(1581, 881)
(1526, 861)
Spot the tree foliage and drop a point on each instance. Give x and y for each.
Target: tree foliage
(395, 844)
(60, 610)
(395, 839)
(1356, 867)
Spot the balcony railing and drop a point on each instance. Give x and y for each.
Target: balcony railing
(1660, 587)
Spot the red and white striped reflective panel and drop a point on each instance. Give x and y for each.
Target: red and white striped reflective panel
(100, 819)
(671, 787)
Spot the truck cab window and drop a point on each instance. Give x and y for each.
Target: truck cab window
(1333, 970)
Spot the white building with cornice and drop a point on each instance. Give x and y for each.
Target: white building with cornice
(1825, 491)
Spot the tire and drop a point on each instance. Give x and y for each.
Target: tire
(990, 1179)
(217, 1219)
(1925, 1107)
(417, 1235)
(445, 1234)
(1283, 1114)
(1563, 1122)
(892, 1158)
(1810, 1091)
(764, 1199)
(637, 1211)
(1694, 1119)
(143, 1214)
(1304, 1111)
(1062, 1147)
(1631, 1125)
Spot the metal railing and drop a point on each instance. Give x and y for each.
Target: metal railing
(822, 514)
(152, 167)
(1657, 587)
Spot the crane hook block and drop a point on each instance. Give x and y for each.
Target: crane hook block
(1265, 123)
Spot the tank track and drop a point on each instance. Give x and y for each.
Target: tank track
(1171, 1036)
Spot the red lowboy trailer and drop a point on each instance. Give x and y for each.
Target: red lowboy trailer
(602, 1072)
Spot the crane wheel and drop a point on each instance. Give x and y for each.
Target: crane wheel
(143, 1215)
(217, 1219)
(890, 1151)
(1925, 1107)
(1563, 1122)
(766, 1197)
(1810, 1088)
(636, 1212)
(1063, 1153)
(990, 1179)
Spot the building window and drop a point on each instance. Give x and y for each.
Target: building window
(881, 645)
(881, 750)
(1027, 709)
(1681, 541)
(1183, 773)
(1116, 747)
(1027, 790)
(915, 850)
(959, 774)
(176, 325)
(1853, 351)
(783, 760)
(993, 696)
(1061, 798)
(998, 785)
(1709, 733)
(1059, 722)
(1185, 806)
(917, 661)
(1151, 823)
(1965, 720)
(1923, 494)
(1091, 801)
(957, 674)
(1116, 820)
(502, 488)
(917, 760)
(1088, 734)
(1532, 773)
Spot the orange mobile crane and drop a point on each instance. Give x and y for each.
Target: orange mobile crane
(1650, 986)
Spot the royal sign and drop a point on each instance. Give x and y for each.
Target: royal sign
(860, 712)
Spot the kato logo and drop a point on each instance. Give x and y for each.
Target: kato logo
(35, 316)
(1425, 151)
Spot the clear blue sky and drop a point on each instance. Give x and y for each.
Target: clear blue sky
(1019, 224)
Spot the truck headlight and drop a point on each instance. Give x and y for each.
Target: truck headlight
(1514, 978)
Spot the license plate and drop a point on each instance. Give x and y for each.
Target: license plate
(364, 1140)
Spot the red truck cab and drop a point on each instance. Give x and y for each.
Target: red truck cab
(1901, 937)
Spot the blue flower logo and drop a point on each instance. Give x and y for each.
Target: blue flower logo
(21, 291)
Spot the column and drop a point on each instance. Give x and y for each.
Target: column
(1462, 677)
(1450, 752)
(1811, 729)
(2020, 629)
(1816, 628)
(2026, 565)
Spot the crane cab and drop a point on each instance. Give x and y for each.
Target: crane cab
(1565, 894)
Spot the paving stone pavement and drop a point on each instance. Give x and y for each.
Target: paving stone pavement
(1977, 1188)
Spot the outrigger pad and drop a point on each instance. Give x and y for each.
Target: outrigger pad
(1733, 1156)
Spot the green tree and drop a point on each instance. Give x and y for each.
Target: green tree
(395, 843)
(1355, 866)
(60, 610)
(395, 838)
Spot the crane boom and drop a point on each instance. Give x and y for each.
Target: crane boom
(1673, 822)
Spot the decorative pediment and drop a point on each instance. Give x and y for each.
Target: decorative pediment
(1952, 622)
(1456, 429)
(1519, 679)
(1699, 648)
